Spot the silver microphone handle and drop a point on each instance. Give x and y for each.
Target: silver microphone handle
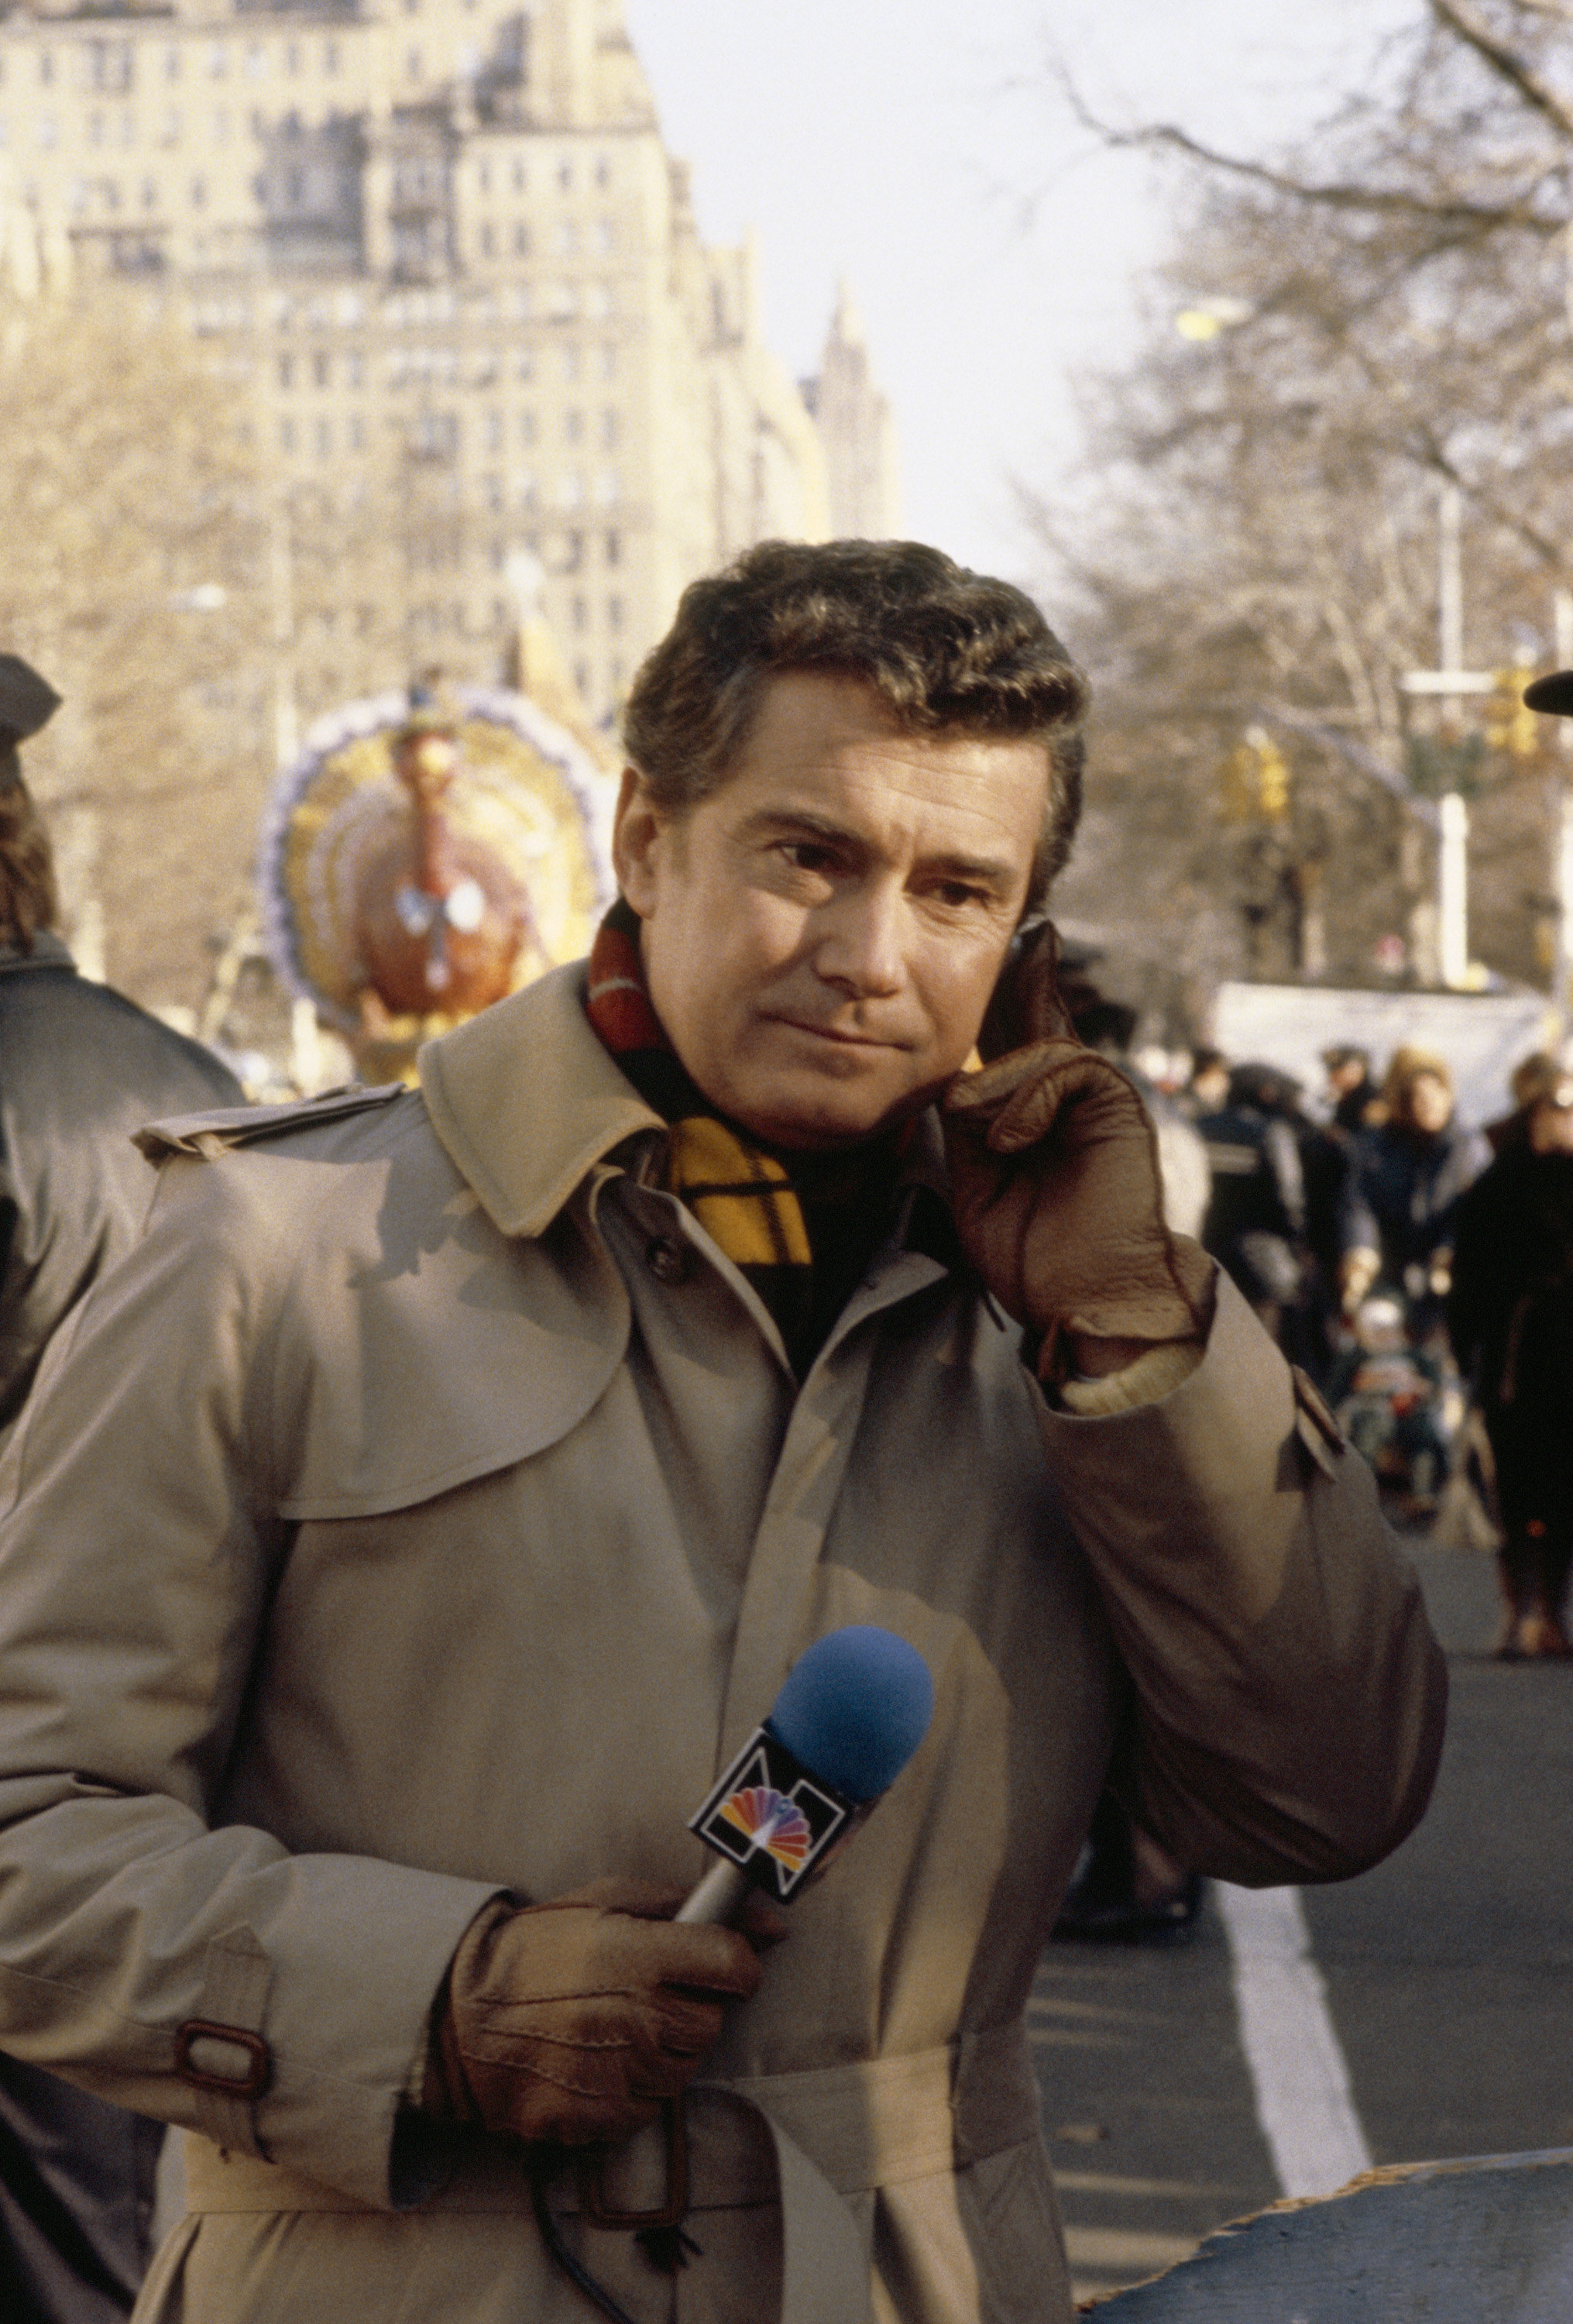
(719, 1898)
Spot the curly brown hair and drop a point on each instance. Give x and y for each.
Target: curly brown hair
(949, 651)
(29, 899)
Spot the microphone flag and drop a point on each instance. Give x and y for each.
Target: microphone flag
(773, 1818)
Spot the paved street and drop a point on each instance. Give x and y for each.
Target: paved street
(1448, 1974)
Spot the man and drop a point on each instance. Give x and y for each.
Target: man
(80, 1069)
(453, 1476)
(1510, 1316)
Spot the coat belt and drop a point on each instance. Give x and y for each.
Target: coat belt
(806, 2139)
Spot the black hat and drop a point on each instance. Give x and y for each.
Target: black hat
(1553, 695)
(26, 701)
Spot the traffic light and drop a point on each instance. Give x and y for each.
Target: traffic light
(1256, 781)
(1509, 726)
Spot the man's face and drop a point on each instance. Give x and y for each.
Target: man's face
(1347, 1076)
(821, 934)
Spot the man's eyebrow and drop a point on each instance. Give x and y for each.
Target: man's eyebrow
(989, 870)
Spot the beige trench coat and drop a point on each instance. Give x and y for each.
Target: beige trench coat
(425, 1508)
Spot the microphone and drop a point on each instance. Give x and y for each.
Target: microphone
(854, 1710)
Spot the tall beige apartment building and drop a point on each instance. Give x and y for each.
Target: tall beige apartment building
(441, 244)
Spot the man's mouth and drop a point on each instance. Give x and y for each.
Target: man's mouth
(836, 1034)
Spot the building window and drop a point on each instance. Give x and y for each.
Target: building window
(566, 176)
(46, 66)
(524, 366)
(527, 428)
(580, 614)
(412, 65)
(603, 170)
(170, 134)
(500, 617)
(487, 239)
(319, 370)
(109, 193)
(292, 59)
(493, 432)
(294, 186)
(198, 192)
(149, 195)
(609, 487)
(285, 371)
(529, 488)
(221, 128)
(356, 366)
(48, 131)
(256, 63)
(614, 549)
(605, 235)
(484, 176)
(286, 435)
(522, 240)
(608, 427)
(581, 678)
(571, 488)
(519, 178)
(573, 426)
(355, 428)
(614, 612)
(568, 238)
(492, 493)
(324, 439)
(171, 64)
(217, 60)
(570, 365)
(95, 129)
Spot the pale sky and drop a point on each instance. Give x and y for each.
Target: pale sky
(898, 143)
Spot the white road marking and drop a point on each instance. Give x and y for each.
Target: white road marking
(1302, 2083)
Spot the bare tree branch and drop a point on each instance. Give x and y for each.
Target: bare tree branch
(1380, 200)
(1505, 62)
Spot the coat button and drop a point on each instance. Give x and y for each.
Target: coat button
(667, 1258)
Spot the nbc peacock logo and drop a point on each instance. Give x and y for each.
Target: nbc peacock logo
(771, 1821)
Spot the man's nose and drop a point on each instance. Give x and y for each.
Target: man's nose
(861, 947)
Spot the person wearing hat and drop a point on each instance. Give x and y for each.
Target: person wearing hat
(1407, 1174)
(81, 1068)
(1510, 1316)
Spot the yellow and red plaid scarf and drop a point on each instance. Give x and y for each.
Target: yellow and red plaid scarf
(800, 1230)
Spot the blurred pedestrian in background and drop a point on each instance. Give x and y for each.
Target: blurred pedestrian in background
(1208, 1090)
(1407, 1178)
(1511, 1315)
(80, 1069)
(1354, 1096)
(1255, 1219)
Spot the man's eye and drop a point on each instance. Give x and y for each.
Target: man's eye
(956, 894)
(807, 854)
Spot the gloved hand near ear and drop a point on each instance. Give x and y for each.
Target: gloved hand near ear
(570, 2021)
(1056, 1182)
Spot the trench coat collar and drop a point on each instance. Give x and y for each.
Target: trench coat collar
(526, 1101)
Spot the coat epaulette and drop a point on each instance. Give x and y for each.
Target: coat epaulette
(209, 1134)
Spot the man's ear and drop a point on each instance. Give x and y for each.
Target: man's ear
(636, 832)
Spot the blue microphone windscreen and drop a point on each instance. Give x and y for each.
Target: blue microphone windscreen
(855, 1708)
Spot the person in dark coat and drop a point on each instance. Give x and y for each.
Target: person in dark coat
(1356, 1100)
(1407, 1178)
(80, 1069)
(1510, 1316)
(1255, 1219)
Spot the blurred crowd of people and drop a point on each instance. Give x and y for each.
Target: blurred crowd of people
(1423, 1273)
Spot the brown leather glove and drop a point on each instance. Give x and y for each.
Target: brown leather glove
(571, 2021)
(1056, 1182)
